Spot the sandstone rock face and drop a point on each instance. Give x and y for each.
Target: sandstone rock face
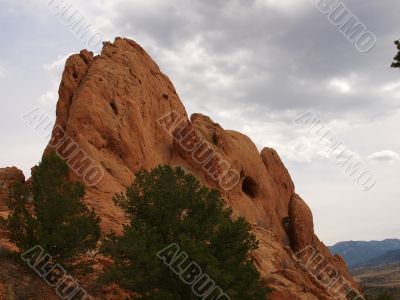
(109, 106)
(118, 110)
(301, 224)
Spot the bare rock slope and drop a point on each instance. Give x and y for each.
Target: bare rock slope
(122, 113)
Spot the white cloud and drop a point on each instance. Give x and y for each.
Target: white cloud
(392, 86)
(56, 67)
(49, 98)
(286, 5)
(340, 85)
(384, 156)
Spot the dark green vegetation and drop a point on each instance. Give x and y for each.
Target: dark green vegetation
(380, 293)
(50, 213)
(396, 63)
(167, 206)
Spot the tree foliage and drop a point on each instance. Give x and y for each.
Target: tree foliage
(396, 63)
(385, 296)
(168, 206)
(50, 213)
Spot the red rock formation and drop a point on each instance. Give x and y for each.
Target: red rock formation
(125, 115)
(7, 178)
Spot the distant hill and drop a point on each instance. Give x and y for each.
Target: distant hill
(389, 257)
(357, 253)
(375, 265)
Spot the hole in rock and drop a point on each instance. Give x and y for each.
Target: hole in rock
(249, 187)
(214, 139)
(75, 75)
(114, 108)
(165, 96)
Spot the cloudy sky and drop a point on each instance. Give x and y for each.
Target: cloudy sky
(253, 66)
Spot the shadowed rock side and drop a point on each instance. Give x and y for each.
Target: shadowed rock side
(124, 113)
(8, 176)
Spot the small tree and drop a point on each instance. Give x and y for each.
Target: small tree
(385, 296)
(167, 206)
(59, 222)
(396, 63)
